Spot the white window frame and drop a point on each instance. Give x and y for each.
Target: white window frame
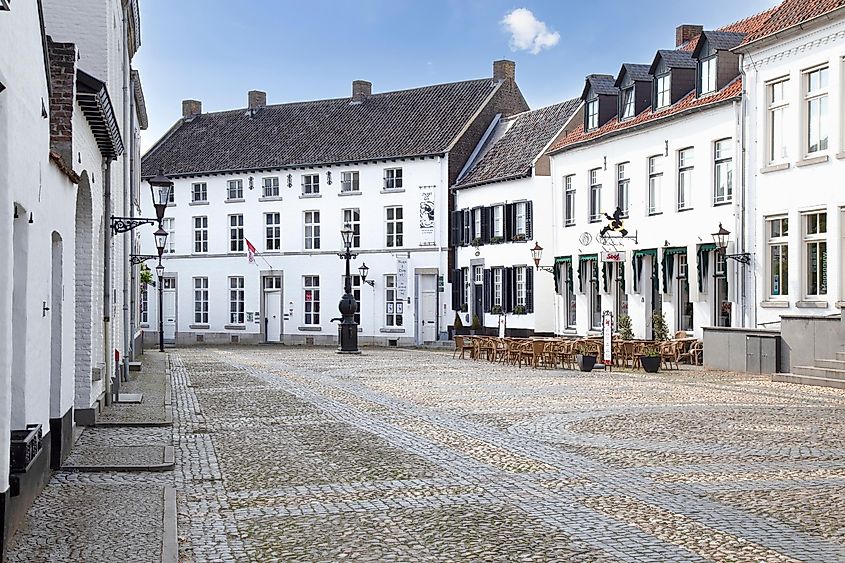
(521, 287)
(394, 228)
(236, 233)
(777, 242)
(352, 217)
(311, 307)
(200, 235)
(663, 90)
(777, 120)
(201, 300)
(818, 96)
(686, 170)
(393, 178)
(270, 186)
(569, 200)
(817, 240)
(144, 305)
(237, 308)
(234, 190)
(594, 215)
(478, 274)
(498, 288)
(499, 221)
(623, 185)
(349, 181)
(592, 114)
(310, 184)
(311, 229)
(520, 218)
(169, 225)
(273, 231)
(476, 221)
(723, 163)
(628, 103)
(709, 70)
(199, 192)
(394, 307)
(655, 185)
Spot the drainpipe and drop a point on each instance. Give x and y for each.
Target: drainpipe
(749, 317)
(107, 280)
(133, 270)
(127, 237)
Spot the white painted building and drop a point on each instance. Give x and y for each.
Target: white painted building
(795, 74)
(381, 162)
(668, 164)
(501, 208)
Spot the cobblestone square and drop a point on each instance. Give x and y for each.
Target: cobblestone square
(299, 454)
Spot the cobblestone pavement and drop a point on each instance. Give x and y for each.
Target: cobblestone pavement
(402, 455)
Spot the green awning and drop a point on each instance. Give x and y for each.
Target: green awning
(645, 252)
(703, 263)
(563, 259)
(588, 257)
(707, 247)
(670, 250)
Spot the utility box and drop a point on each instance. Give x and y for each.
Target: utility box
(761, 353)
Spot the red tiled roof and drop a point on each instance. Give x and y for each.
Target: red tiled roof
(790, 13)
(687, 103)
(747, 25)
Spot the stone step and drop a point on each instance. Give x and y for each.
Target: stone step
(808, 380)
(813, 371)
(134, 366)
(840, 355)
(832, 364)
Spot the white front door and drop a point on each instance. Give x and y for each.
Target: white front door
(169, 309)
(842, 259)
(428, 308)
(273, 315)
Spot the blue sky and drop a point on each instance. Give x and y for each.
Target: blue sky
(216, 50)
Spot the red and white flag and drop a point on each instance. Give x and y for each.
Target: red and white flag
(250, 251)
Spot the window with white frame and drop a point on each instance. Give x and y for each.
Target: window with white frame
(815, 96)
(392, 178)
(592, 114)
(349, 181)
(595, 196)
(655, 184)
(498, 221)
(723, 177)
(273, 231)
(235, 189)
(171, 199)
(815, 254)
(236, 300)
(310, 184)
(312, 230)
(199, 192)
(498, 288)
(236, 233)
(628, 102)
(663, 90)
(393, 226)
(201, 300)
(169, 225)
(464, 286)
(270, 186)
(311, 299)
(777, 229)
(569, 200)
(777, 122)
(200, 235)
(476, 221)
(355, 282)
(521, 289)
(520, 221)
(478, 274)
(393, 306)
(622, 184)
(685, 172)
(708, 75)
(352, 217)
(144, 299)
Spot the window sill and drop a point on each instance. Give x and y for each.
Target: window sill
(393, 191)
(840, 304)
(200, 326)
(310, 196)
(144, 325)
(197, 203)
(771, 304)
(171, 205)
(392, 330)
(681, 210)
(812, 160)
(655, 213)
(840, 155)
(270, 198)
(310, 328)
(235, 327)
(594, 220)
(569, 225)
(774, 168)
(358, 192)
(236, 200)
(721, 203)
(811, 304)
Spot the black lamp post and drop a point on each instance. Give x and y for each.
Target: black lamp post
(348, 326)
(160, 188)
(160, 273)
(720, 237)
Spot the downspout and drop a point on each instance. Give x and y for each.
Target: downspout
(127, 236)
(749, 317)
(107, 279)
(133, 271)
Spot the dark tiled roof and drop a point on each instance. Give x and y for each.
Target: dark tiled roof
(416, 122)
(674, 59)
(723, 40)
(790, 13)
(635, 71)
(523, 139)
(602, 84)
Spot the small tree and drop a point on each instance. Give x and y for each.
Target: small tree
(146, 275)
(623, 326)
(458, 324)
(476, 323)
(660, 330)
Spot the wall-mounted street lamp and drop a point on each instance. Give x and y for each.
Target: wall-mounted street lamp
(721, 238)
(348, 305)
(160, 189)
(136, 259)
(537, 255)
(364, 270)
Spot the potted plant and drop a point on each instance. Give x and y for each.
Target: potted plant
(623, 327)
(519, 310)
(146, 276)
(459, 325)
(659, 328)
(497, 240)
(585, 358)
(496, 310)
(476, 325)
(651, 359)
(464, 308)
(475, 242)
(519, 237)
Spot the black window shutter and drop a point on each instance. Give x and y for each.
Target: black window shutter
(488, 290)
(456, 290)
(485, 224)
(529, 220)
(455, 227)
(507, 302)
(529, 290)
(509, 221)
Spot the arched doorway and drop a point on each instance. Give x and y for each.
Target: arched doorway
(83, 291)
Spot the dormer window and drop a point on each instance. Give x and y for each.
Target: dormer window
(663, 90)
(592, 114)
(708, 75)
(628, 103)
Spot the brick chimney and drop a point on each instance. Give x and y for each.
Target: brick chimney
(191, 108)
(361, 90)
(504, 70)
(686, 32)
(62, 79)
(257, 99)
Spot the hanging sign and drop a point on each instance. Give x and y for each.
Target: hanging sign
(607, 336)
(402, 277)
(427, 216)
(615, 256)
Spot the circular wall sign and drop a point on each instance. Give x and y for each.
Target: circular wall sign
(585, 239)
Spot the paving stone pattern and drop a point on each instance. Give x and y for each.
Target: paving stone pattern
(396, 455)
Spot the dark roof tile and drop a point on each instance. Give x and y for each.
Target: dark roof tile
(635, 71)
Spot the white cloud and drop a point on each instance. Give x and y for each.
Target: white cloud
(527, 32)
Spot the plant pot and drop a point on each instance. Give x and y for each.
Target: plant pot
(25, 445)
(462, 331)
(650, 363)
(586, 362)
